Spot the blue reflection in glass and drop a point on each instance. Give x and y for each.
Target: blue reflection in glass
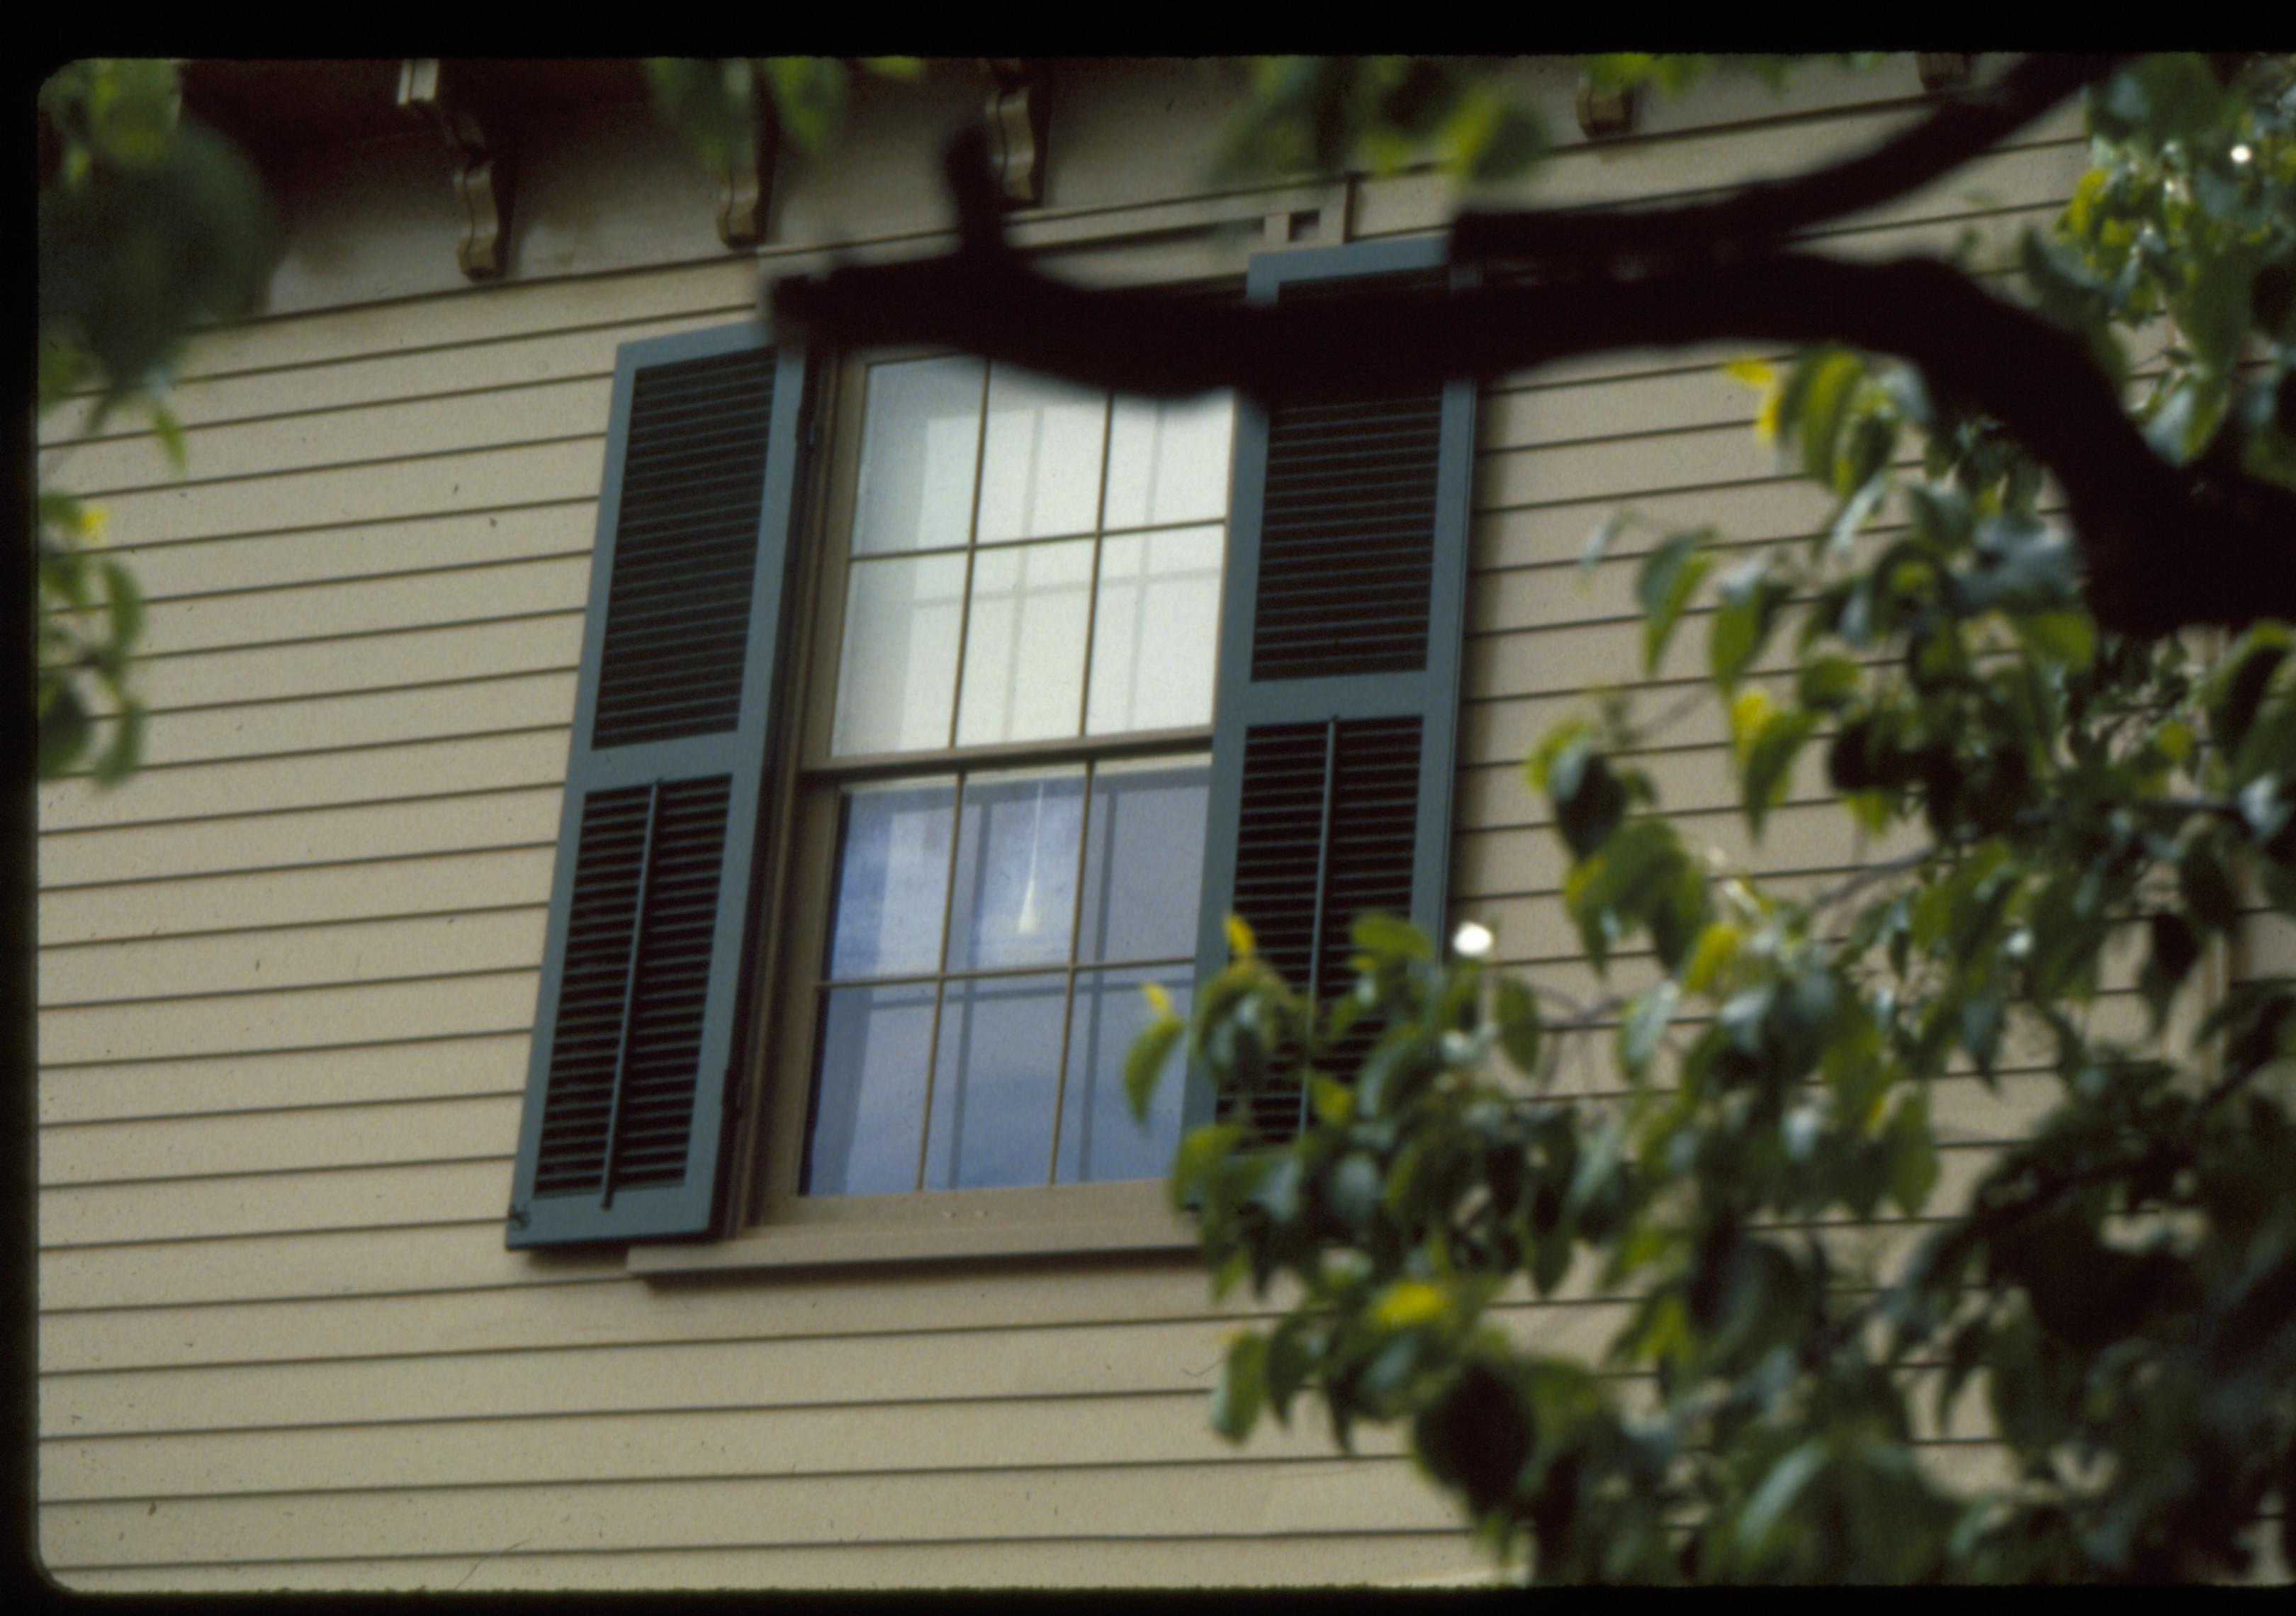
(892, 871)
(1015, 890)
(992, 1100)
(1144, 859)
(1100, 1138)
(869, 1091)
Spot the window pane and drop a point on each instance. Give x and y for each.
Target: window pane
(1144, 859)
(1016, 851)
(1024, 648)
(893, 875)
(992, 1099)
(869, 1099)
(1157, 633)
(1099, 1139)
(896, 674)
(1167, 460)
(1040, 468)
(920, 441)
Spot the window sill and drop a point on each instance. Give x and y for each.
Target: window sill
(859, 1231)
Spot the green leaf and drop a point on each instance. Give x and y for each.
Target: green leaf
(2207, 890)
(1408, 1303)
(1777, 1495)
(2215, 313)
(1828, 682)
(1642, 876)
(1388, 939)
(1980, 1029)
(1243, 1388)
(1355, 1188)
(2066, 638)
(1520, 1025)
(1855, 512)
(2175, 950)
(1644, 1026)
(2239, 684)
(65, 729)
(126, 606)
(1589, 801)
(1144, 1062)
(1670, 575)
(1769, 762)
(125, 755)
(808, 96)
(170, 434)
(1202, 1152)
(1503, 143)
(1291, 1360)
(1913, 1168)
(1474, 1438)
(1748, 609)
(1819, 406)
(1599, 542)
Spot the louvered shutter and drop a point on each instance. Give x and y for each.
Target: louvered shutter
(1339, 673)
(636, 1021)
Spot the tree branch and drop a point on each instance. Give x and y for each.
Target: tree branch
(1762, 215)
(2165, 547)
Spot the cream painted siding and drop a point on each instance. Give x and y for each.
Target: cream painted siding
(286, 974)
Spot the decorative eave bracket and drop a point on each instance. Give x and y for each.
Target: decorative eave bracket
(1018, 116)
(745, 190)
(1606, 114)
(486, 179)
(1943, 70)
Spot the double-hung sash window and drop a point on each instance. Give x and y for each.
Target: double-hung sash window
(1026, 616)
(1055, 681)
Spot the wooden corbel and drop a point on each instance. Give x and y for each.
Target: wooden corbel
(1943, 70)
(485, 179)
(745, 191)
(1017, 115)
(1606, 114)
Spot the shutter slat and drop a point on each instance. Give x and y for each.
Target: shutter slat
(674, 479)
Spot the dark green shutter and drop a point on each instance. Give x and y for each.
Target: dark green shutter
(636, 1024)
(1338, 669)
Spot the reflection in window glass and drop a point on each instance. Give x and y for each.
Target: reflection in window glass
(1147, 826)
(1040, 465)
(1024, 650)
(1167, 461)
(868, 1106)
(1016, 866)
(993, 1080)
(1101, 1140)
(920, 444)
(893, 875)
(897, 673)
(1155, 635)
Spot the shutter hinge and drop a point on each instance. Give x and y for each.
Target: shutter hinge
(518, 1215)
(734, 1088)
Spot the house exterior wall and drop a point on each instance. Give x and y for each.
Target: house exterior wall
(287, 974)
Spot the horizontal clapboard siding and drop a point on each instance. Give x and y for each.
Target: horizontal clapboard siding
(287, 973)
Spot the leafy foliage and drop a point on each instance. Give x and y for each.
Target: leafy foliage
(2072, 829)
(719, 104)
(148, 227)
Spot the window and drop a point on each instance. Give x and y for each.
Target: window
(1019, 620)
(879, 818)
